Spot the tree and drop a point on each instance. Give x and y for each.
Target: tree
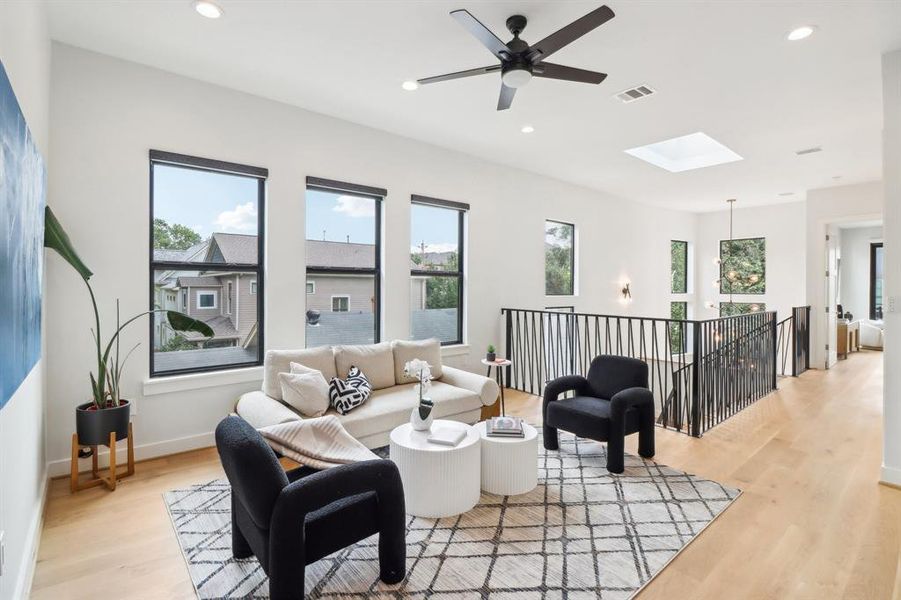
(174, 236)
(443, 292)
(678, 252)
(746, 261)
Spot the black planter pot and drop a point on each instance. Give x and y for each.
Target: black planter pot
(94, 426)
(490, 356)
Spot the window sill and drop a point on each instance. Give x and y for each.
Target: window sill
(196, 381)
(455, 350)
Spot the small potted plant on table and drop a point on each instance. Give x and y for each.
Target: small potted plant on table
(491, 356)
(421, 417)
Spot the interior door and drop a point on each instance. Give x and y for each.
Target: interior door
(832, 242)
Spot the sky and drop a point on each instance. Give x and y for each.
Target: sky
(216, 202)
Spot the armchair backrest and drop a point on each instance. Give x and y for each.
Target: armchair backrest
(609, 375)
(252, 468)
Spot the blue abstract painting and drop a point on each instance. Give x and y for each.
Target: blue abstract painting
(22, 198)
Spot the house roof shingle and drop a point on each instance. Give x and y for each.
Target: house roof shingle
(232, 248)
(201, 281)
(340, 255)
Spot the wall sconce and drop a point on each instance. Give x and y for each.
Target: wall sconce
(626, 292)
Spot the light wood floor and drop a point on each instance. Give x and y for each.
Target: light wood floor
(812, 524)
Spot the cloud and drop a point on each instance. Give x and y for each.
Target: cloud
(242, 218)
(355, 207)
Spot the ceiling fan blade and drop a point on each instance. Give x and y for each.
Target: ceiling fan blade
(506, 98)
(553, 71)
(570, 33)
(482, 33)
(459, 74)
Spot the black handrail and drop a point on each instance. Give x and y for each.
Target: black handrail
(732, 361)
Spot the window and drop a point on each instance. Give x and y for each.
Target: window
(343, 255)
(340, 303)
(206, 231)
(253, 288)
(206, 300)
(436, 269)
(559, 258)
(743, 266)
(678, 331)
(679, 267)
(877, 269)
(731, 309)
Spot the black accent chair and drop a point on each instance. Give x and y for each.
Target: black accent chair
(611, 403)
(291, 519)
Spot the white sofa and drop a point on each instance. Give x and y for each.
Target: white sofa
(872, 334)
(458, 395)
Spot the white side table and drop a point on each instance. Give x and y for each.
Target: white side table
(509, 465)
(439, 481)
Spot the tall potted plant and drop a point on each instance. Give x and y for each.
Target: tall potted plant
(107, 411)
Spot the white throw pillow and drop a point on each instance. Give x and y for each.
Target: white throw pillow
(376, 360)
(277, 361)
(404, 352)
(306, 392)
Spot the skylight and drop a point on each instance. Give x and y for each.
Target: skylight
(692, 151)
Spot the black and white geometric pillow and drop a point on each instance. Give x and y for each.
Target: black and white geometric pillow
(347, 394)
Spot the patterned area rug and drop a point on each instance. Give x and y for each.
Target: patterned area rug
(582, 533)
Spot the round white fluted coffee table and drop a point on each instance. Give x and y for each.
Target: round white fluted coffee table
(509, 465)
(439, 481)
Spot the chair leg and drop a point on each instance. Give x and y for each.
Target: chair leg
(392, 556)
(646, 435)
(551, 441)
(615, 450)
(240, 547)
(287, 584)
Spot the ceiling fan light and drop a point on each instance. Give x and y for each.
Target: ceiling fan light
(516, 77)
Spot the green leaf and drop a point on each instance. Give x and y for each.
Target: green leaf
(55, 237)
(182, 322)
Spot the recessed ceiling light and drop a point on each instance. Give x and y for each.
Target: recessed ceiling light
(208, 9)
(836, 177)
(410, 86)
(800, 33)
(692, 151)
(527, 129)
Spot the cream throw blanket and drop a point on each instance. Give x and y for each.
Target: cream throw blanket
(320, 443)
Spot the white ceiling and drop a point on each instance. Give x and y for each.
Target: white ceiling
(723, 68)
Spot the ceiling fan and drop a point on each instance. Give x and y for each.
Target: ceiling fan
(519, 61)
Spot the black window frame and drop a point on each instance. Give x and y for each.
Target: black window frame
(684, 245)
(572, 261)
(195, 163)
(872, 294)
(462, 210)
(378, 194)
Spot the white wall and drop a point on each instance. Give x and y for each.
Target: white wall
(781, 225)
(855, 270)
(25, 52)
(107, 113)
(835, 205)
(891, 166)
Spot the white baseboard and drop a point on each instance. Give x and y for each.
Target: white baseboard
(57, 468)
(891, 476)
(32, 542)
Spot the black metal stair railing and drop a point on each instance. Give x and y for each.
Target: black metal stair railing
(701, 372)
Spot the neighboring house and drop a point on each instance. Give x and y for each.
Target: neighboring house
(166, 295)
(224, 300)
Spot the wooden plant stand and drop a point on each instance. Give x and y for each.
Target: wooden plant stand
(96, 479)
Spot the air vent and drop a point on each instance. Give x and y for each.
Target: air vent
(633, 94)
(808, 151)
(784, 194)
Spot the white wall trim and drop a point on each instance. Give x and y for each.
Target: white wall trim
(29, 557)
(891, 476)
(196, 381)
(58, 468)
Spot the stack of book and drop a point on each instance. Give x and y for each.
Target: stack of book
(505, 427)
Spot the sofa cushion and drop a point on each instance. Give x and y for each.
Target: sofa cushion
(376, 360)
(388, 408)
(279, 361)
(404, 351)
(347, 394)
(308, 393)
